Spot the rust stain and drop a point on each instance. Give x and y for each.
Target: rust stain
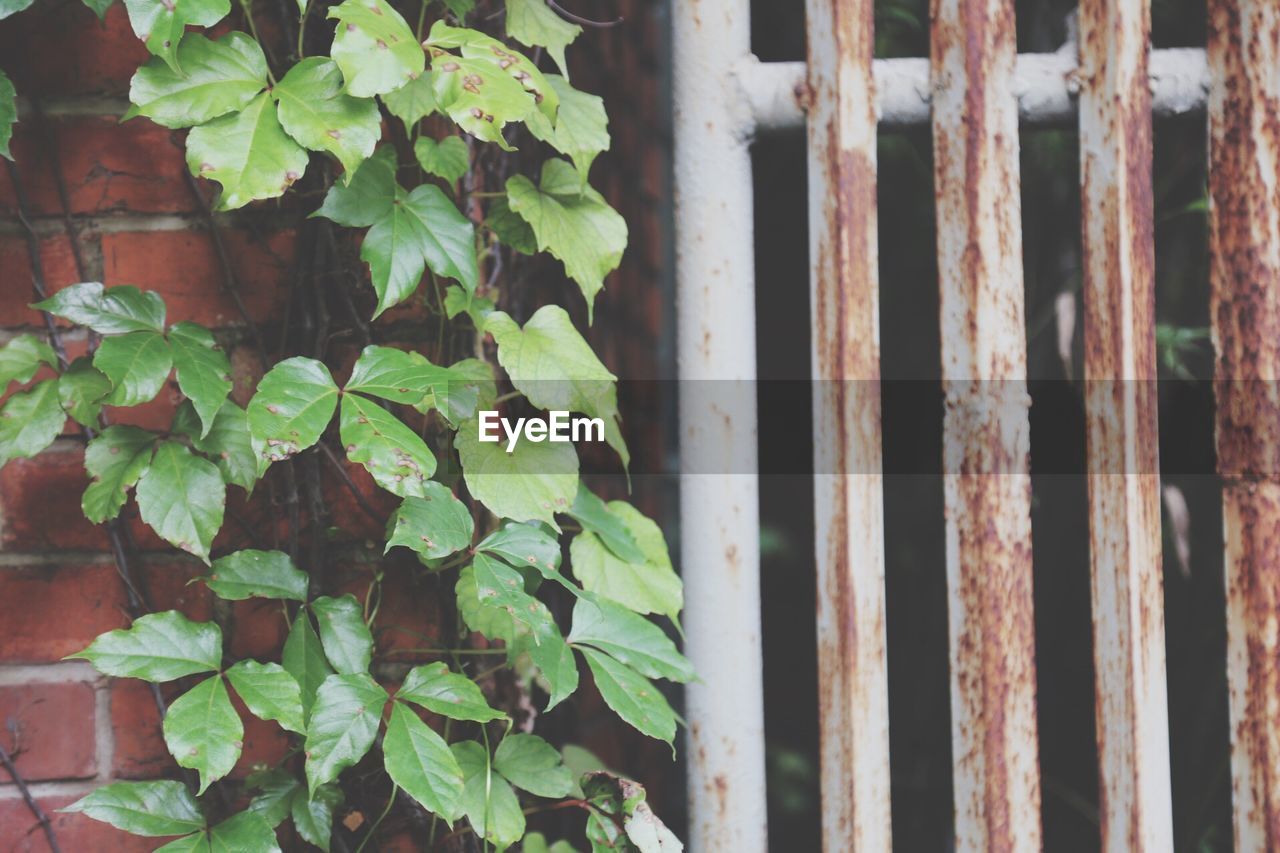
(987, 488)
(853, 696)
(1121, 434)
(1244, 130)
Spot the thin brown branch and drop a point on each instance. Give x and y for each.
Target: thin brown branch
(578, 19)
(230, 281)
(32, 805)
(350, 484)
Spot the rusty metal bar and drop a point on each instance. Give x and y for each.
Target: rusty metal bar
(1244, 150)
(719, 511)
(848, 493)
(1121, 403)
(986, 434)
(1045, 85)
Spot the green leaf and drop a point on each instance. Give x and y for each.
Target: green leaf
(182, 496)
(629, 637)
(265, 574)
(478, 374)
(143, 808)
(269, 692)
(460, 8)
(314, 818)
(315, 111)
(419, 761)
(534, 630)
(343, 725)
(532, 483)
(368, 196)
(635, 699)
(247, 832)
(217, 77)
(529, 762)
(22, 357)
(413, 101)
(161, 23)
(294, 403)
(395, 456)
(498, 57)
(30, 421)
(651, 586)
(347, 642)
(595, 516)
(197, 843)
(423, 228)
(374, 47)
(204, 373)
(450, 694)
(137, 363)
(81, 390)
(533, 23)
(581, 130)
(158, 647)
(552, 365)
(487, 799)
(99, 7)
(203, 732)
(572, 222)
(404, 376)
(446, 158)
(277, 788)
(304, 659)
(228, 442)
(479, 97)
(248, 153)
(478, 615)
(108, 311)
(8, 108)
(115, 460)
(536, 842)
(523, 545)
(434, 525)
(458, 301)
(510, 230)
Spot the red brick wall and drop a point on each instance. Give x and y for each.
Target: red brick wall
(134, 220)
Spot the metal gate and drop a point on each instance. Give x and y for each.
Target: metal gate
(974, 90)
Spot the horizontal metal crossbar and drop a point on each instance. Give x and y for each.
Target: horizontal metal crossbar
(1045, 84)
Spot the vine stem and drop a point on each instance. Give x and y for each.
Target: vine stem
(395, 789)
(47, 825)
(349, 483)
(578, 19)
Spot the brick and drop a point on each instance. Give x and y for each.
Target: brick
(48, 729)
(15, 275)
(34, 491)
(49, 612)
(106, 166)
(182, 266)
(62, 49)
(135, 726)
(21, 833)
(345, 511)
(258, 629)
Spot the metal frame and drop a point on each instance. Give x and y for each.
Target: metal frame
(974, 92)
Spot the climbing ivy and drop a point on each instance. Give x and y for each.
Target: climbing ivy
(443, 194)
